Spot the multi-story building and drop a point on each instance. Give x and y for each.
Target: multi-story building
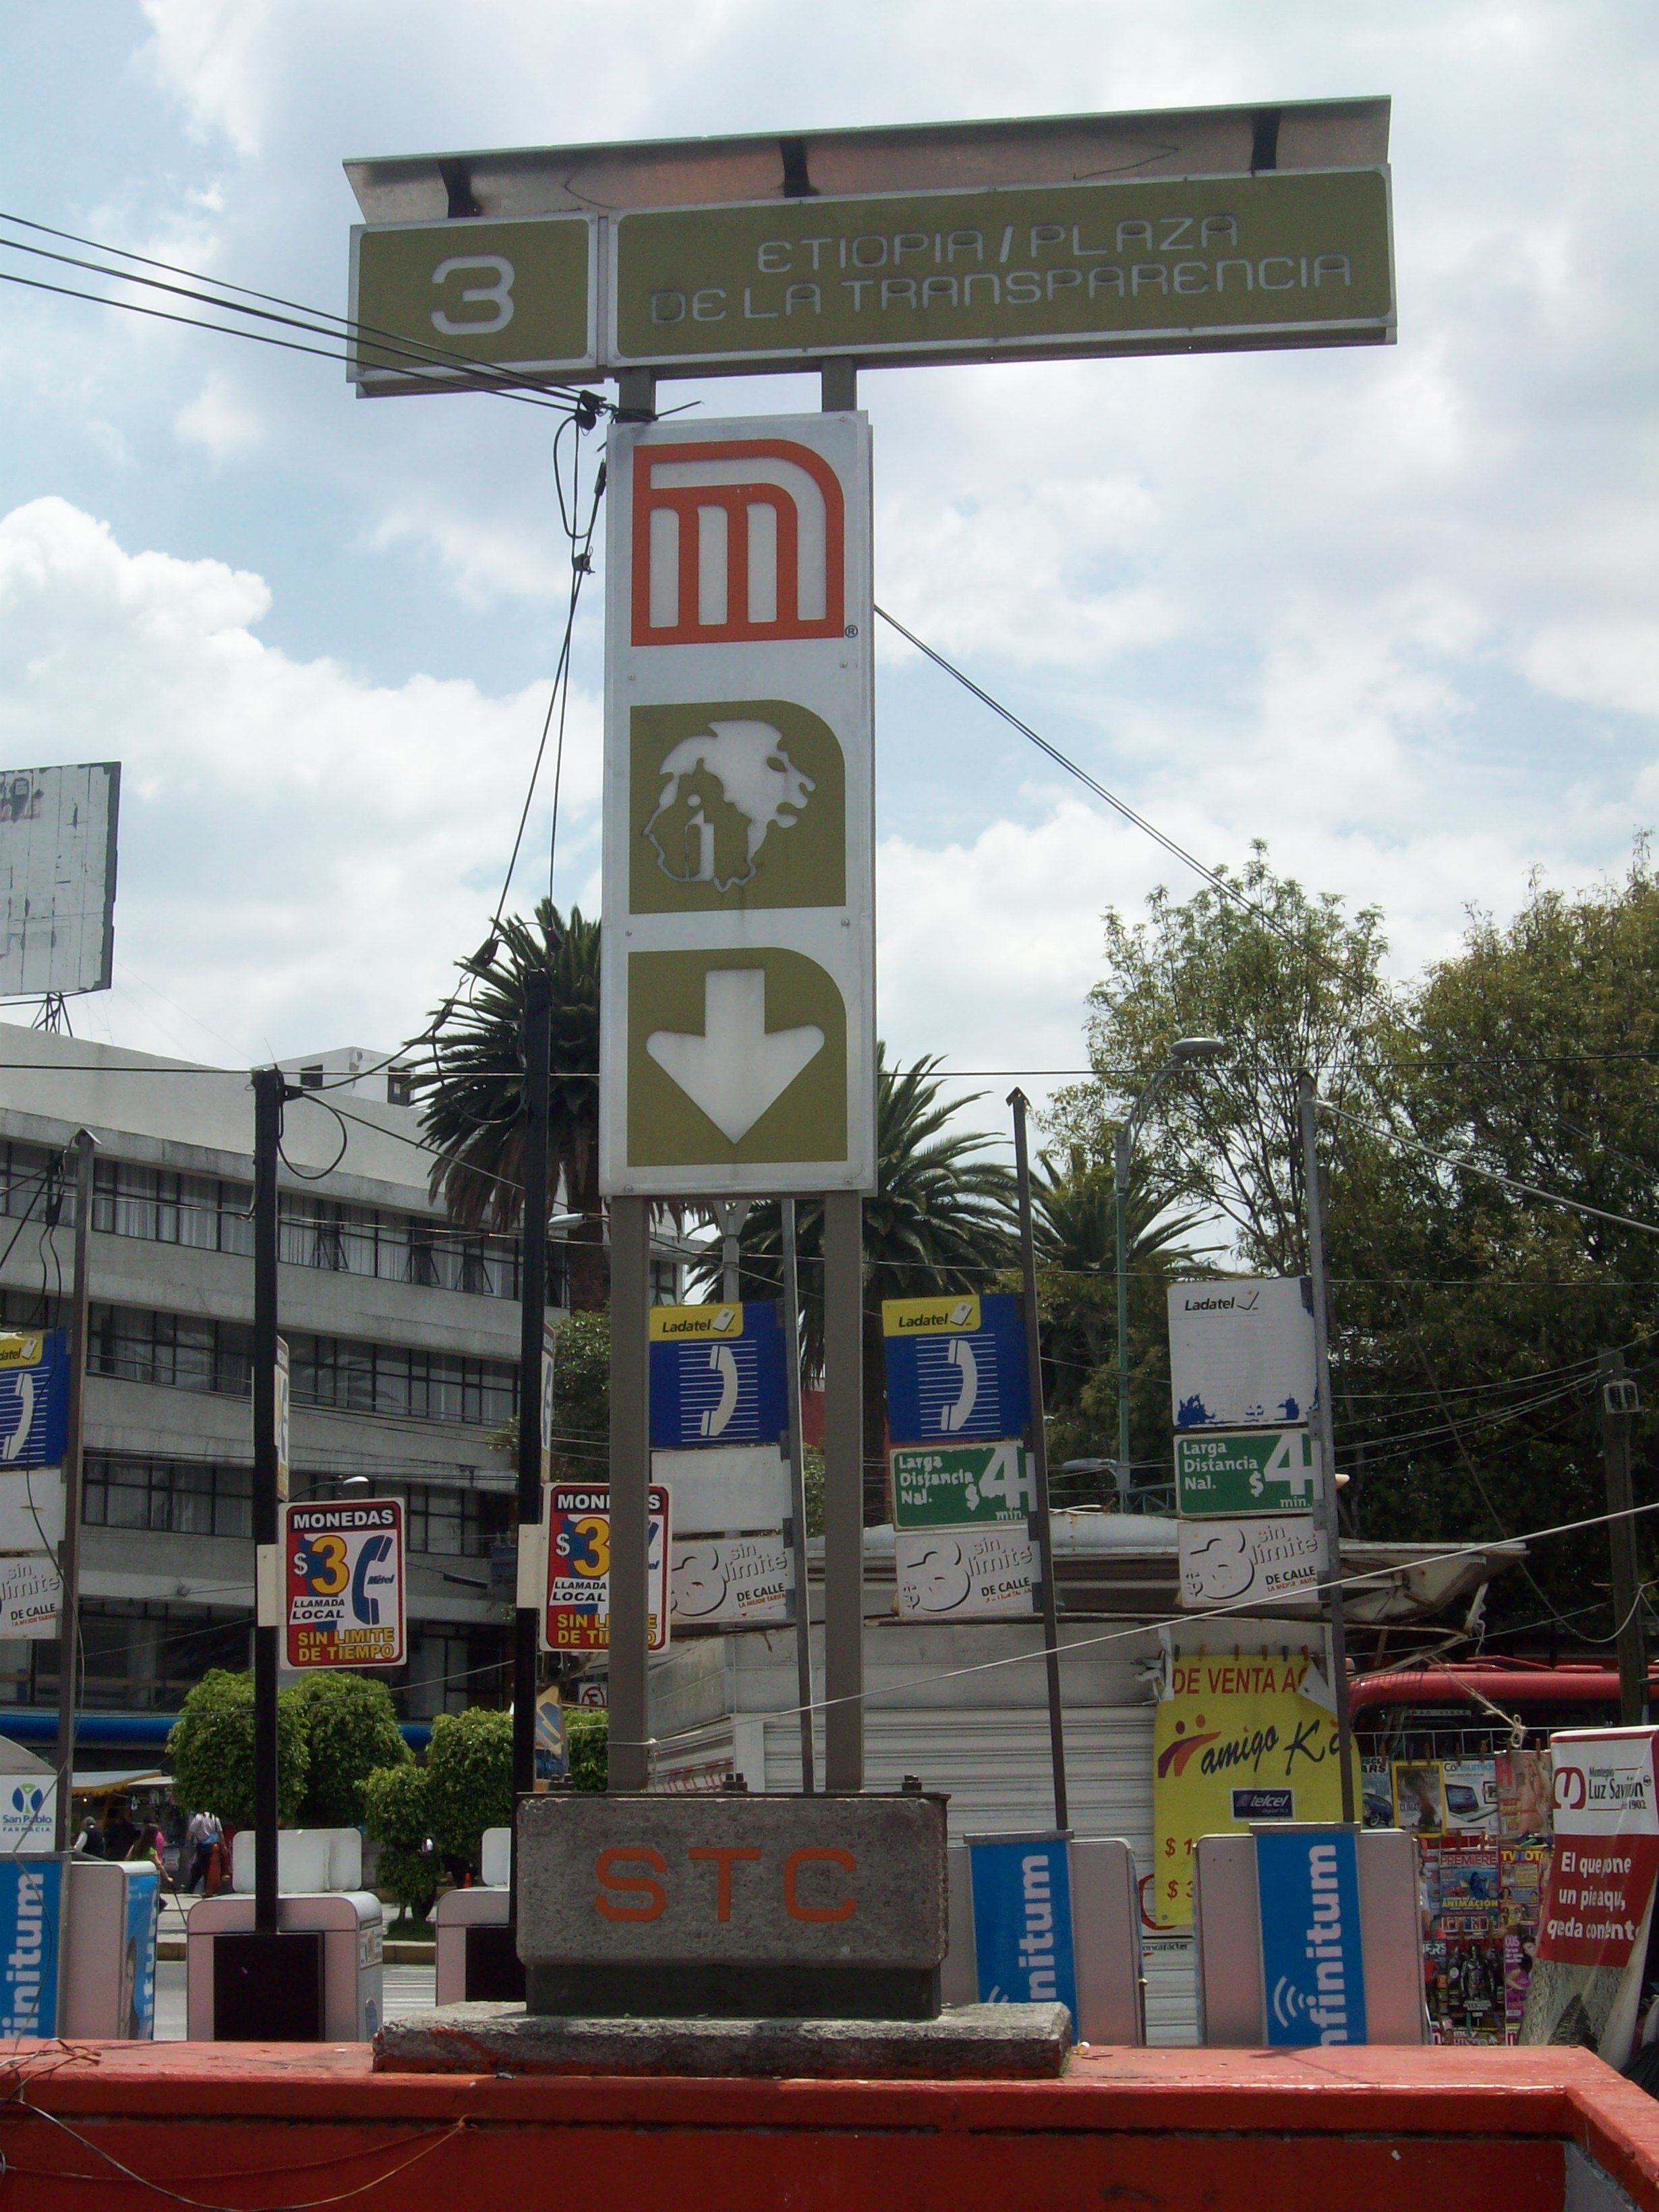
(403, 1335)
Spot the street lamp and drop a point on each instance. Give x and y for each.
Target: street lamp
(1185, 1052)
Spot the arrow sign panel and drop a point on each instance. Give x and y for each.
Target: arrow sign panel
(738, 1046)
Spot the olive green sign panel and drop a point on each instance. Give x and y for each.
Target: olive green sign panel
(734, 1057)
(958, 1485)
(1230, 1471)
(516, 295)
(1284, 257)
(736, 804)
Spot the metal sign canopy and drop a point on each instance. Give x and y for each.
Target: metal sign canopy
(1205, 230)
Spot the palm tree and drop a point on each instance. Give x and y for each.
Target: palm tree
(1075, 1228)
(940, 1221)
(474, 1105)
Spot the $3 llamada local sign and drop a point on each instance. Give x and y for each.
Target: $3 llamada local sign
(344, 1584)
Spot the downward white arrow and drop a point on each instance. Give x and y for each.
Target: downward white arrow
(734, 1071)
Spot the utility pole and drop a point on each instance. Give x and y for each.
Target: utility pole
(1122, 1150)
(797, 1490)
(730, 1215)
(270, 1091)
(1325, 1489)
(1619, 1400)
(69, 1555)
(537, 1038)
(1042, 1526)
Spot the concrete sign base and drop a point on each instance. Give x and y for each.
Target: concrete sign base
(828, 1906)
(980, 2042)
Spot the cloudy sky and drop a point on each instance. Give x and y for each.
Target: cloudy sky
(1391, 609)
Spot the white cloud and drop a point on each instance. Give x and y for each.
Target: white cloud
(220, 419)
(304, 853)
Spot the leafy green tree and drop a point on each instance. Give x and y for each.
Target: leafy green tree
(940, 1221)
(469, 1772)
(210, 1749)
(1289, 981)
(351, 1727)
(473, 1091)
(397, 1814)
(588, 1730)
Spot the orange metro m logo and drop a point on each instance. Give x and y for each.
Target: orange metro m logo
(737, 541)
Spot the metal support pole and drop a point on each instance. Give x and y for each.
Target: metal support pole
(1618, 1396)
(797, 1491)
(1121, 1152)
(1042, 1526)
(533, 1321)
(843, 1491)
(630, 1474)
(69, 1555)
(270, 1091)
(840, 385)
(1325, 1492)
(730, 1215)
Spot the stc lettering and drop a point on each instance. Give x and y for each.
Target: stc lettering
(635, 1882)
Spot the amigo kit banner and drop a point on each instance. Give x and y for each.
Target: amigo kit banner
(1239, 1737)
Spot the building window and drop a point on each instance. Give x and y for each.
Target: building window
(179, 1497)
(457, 1523)
(187, 1353)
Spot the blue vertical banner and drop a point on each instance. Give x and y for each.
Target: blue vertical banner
(1313, 1966)
(1023, 1921)
(31, 1916)
(138, 1952)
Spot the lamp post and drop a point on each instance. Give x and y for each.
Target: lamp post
(1185, 1052)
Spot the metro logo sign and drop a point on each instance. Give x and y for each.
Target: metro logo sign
(736, 1011)
(735, 541)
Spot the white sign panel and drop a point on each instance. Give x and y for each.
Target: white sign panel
(1241, 1353)
(58, 878)
(736, 1018)
(29, 1590)
(1265, 1557)
(965, 1574)
(28, 1814)
(718, 1492)
(32, 1510)
(730, 1580)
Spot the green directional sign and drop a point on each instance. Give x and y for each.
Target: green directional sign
(1171, 265)
(960, 1485)
(1232, 1471)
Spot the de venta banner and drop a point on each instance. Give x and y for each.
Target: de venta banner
(1238, 1738)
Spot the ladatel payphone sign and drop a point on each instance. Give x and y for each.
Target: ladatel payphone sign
(738, 1044)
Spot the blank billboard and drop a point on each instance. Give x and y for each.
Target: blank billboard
(58, 878)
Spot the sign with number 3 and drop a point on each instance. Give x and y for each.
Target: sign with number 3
(344, 1584)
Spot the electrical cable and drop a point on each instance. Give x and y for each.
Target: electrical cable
(313, 320)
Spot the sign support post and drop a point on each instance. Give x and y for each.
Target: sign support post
(69, 1557)
(843, 1491)
(630, 1477)
(1619, 1396)
(1325, 1490)
(269, 1089)
(797, 1490)
(1042, 1525)
(533, 1321)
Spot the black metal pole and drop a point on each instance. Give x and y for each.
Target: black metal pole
(1617, 1394)
(1042, 1527)
(797, 1492)
(533, 1321)
(69, 1555)
(1325, 1492)
(269, 1089)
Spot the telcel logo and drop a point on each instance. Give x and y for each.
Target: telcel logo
(735, 541)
